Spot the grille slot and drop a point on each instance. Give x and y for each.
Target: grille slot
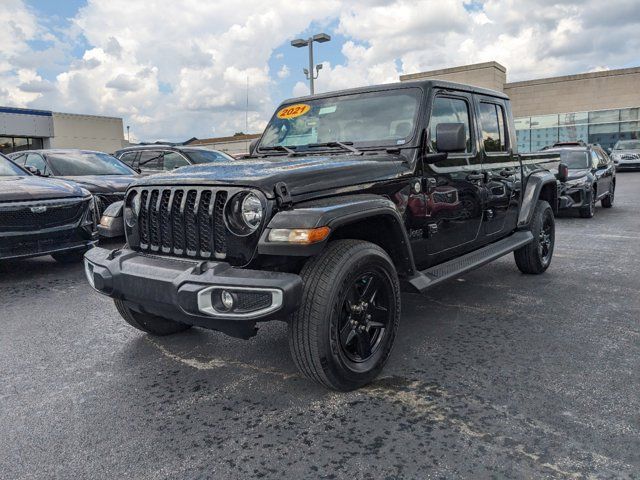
(183, 221)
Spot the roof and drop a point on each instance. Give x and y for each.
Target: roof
(59, 150)
(423, 84)
(233, 138)
(160, 146)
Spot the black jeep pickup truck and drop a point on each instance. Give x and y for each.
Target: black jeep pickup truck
(347, 198)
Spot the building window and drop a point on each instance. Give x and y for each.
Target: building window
(16, 144)
(604, 127)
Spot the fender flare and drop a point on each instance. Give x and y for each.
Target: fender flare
(535, 183)
(334, 213)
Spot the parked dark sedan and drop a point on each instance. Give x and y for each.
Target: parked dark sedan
(102, 174)
(587, 175)
(43, 216)
(150, 159)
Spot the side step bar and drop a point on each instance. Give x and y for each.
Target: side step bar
(431, 277)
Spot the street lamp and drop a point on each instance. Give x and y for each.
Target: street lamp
(299, 43)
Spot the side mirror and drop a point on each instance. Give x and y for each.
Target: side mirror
(563, 172)
(451, 138)
(33, 170)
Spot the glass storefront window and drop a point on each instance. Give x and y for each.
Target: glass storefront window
(542, 121)
(629, 114)
(604, 116)
(20, 144)
(6, 144)
(15, 144)
(574, 133)
(574, 118)
(606, 134)
(522, 123)
(542, 137)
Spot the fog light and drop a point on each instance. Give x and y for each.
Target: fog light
(88, 271)
(227, 300)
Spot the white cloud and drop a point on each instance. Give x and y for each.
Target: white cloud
(284, 72)
(175, 69)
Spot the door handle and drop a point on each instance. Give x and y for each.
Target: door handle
(475, 176)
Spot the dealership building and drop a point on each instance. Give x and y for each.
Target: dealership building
(22, 129)
(597, 107)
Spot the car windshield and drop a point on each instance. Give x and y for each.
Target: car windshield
(10, 169)
(574, 159)
(379, 118)
(207, 156)
(627, 145)
(70, 164)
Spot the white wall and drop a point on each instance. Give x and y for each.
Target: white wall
(87, 132)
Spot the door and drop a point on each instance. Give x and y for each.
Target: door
(604, 172)
(500, 167)
(452, 188)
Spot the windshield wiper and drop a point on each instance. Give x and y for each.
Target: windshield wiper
(344, 145)
(280, 148)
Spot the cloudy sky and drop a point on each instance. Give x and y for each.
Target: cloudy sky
(174, 69)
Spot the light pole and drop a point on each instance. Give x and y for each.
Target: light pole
(128, 137)
(299, 43)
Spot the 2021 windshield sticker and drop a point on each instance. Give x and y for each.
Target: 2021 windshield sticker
(293, 111)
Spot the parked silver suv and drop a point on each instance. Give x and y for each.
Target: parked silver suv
(626, 154)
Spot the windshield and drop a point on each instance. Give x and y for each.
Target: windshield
(574, 159)
(207, 156)
(627, 145)
(366, 119)
(70, 164)
(10, 169)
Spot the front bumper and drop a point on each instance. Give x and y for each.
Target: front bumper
(627, 165)
(182, 290)
(574, 197)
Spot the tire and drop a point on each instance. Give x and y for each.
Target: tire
(147, 323)
(535, 257)
(607, 202)
(351, 296)
(589, 210)
(73, 256)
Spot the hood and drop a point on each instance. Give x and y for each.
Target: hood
(301, 174)
(18, 189)
(104, 183)
(578, 173)
(626, 152)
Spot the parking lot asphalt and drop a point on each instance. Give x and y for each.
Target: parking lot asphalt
(495, 374)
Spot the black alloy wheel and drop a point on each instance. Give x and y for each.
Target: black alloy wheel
(545, 240)
(365, 316)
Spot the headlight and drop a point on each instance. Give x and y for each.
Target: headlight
(132, 205)
(244, 213)
(251, 211)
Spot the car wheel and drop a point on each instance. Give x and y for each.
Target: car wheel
(607, 202)
(73, 256)
(148, 323)
(589, 210)
(343, 332)
(535, 257)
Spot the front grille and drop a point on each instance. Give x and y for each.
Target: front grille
(630, 156)
(106, 199)
(37, 215)
(182, 221)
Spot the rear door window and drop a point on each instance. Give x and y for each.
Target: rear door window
(173, 160)
(150, 161)
(492, 124)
